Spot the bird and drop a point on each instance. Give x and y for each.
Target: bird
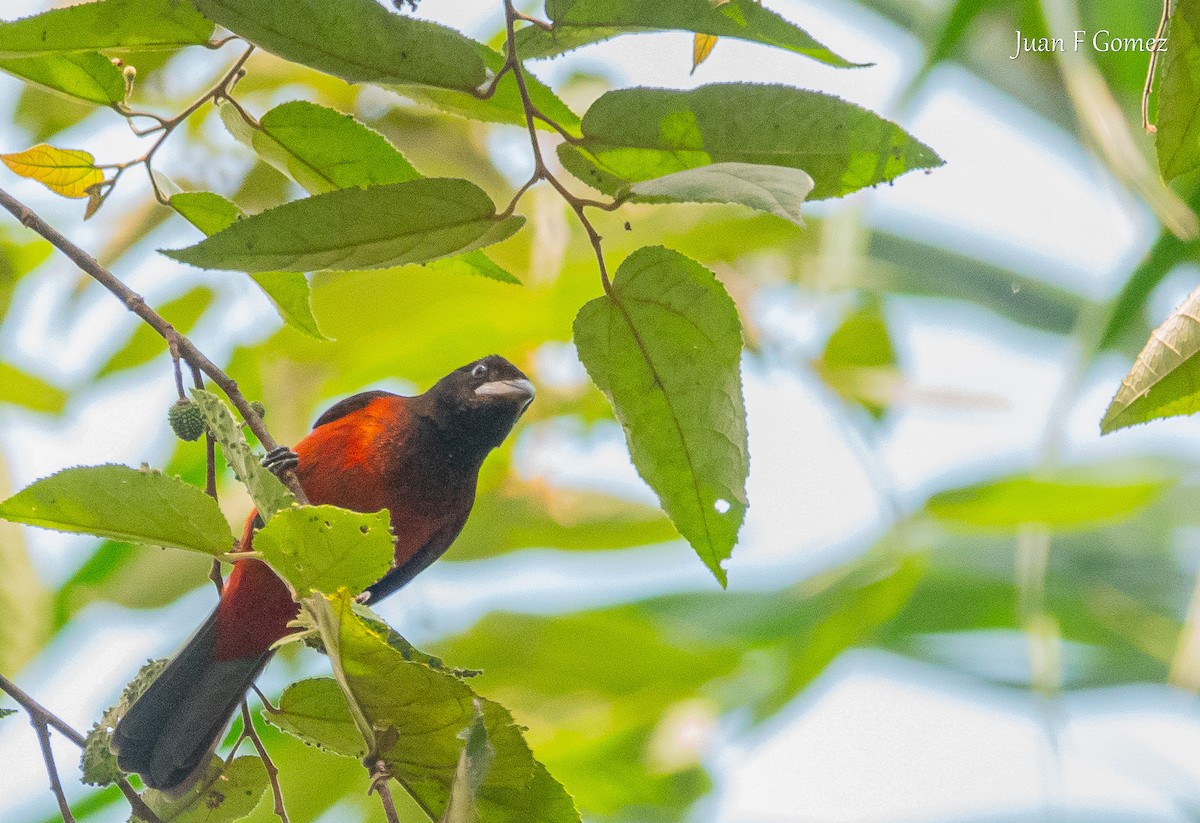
(418, 457)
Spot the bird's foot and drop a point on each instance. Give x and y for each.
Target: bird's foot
(280, 460)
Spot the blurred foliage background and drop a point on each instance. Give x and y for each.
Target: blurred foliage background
(927, 480)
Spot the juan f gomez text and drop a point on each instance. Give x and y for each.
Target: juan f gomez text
(1102, 40)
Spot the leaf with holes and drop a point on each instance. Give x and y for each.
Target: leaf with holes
(69, 172)
(1178, 137)
(630, 135)
(324, 548)
(665, 346)
(269, 494)
(1165, 379)
(776, 190)
(351, 229)
(134, 505)
(415, 716)
(222, 793)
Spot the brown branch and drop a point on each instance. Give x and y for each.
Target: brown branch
(43, 733)
(380, 775)
(134, 302)
(540, 170)
(250, 732)
(42, 720)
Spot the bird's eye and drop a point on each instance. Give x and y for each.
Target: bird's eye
(479, 371)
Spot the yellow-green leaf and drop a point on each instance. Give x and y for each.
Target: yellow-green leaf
(69, 172)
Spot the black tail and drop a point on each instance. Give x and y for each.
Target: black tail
(174, 726)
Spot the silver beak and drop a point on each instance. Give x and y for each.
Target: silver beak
(520, 390)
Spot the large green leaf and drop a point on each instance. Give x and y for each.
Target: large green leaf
(579, 22)
(87, 75)
(350, 229)
(356, 40)
(631, 135)
(1178, 140)
(269, 494)
(1069, 502)
(665, 346)
(414, 714)
(1165, 379)
(319, 148)
(20, 388)
(288, 291)
(138, 506)
(146, 344)
(324, 548)
(129, 25)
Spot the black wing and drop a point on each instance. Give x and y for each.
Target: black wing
(350, 404)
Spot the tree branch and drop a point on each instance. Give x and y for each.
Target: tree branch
(42, 720)
(250, 732)
(136, 304)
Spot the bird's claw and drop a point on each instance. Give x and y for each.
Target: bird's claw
(363, 597)
(280, 460)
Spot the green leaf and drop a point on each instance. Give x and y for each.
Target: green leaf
(1065, 503)
(288, 291)
(579, 22)
(97, 762)
(6, 712)
(315, 711)
(138, 506)
(859, 362)
(324, 548)
(665, 346)
(20, 388)
(356, 40)
(475, 263)
(319, 148)
(473, 765)
(413, 716)
(352, 229)
(269, 494)
(88, 75)
(146, 344)
(631, 135)
(1165, 379)
(221, 795)
(131, 25)
(774, 189)
(1178, 139)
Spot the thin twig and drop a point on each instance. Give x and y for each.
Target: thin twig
(134, 302)
(42, 718)
(540, 170)
(37, 710)
(43, 733)
(380, 775)
(1150, 69)
(249, 731)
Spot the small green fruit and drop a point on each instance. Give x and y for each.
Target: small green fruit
(186, 419)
